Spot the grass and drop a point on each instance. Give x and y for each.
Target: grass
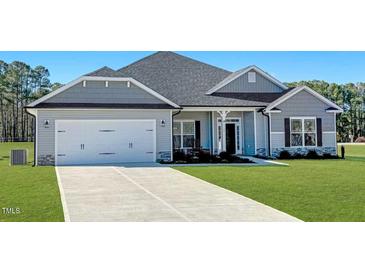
(31, 190)
(311, 190)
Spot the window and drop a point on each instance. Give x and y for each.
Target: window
(184, 134)
(252, 77)
(303, 132)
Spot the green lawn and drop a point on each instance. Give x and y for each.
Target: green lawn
(31, 190)
(312, 190)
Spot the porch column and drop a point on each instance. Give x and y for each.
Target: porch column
(222, 144)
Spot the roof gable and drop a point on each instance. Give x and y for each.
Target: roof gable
(105, 79)
(236, 75)
(295, 91)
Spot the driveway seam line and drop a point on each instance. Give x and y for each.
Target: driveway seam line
(152, 194)
(227, 190)
(66, 215)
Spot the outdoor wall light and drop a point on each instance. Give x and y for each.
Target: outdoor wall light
(46, 122)
(163, 123)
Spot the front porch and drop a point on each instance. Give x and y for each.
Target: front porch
(238, 131)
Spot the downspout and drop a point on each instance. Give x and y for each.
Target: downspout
(268, 131)
(34, 135)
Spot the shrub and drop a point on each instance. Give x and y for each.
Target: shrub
(204, 156)
(179, 155)
(329, 156)
(312, 154)
(298, 156)
(216, 159)
(226, 156)
(284, 155)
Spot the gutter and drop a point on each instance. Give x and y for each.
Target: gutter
(34, 134)
(268, 130)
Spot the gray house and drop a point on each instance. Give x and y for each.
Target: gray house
(142, 112)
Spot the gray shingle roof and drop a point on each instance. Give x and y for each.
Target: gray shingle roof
(185, 81)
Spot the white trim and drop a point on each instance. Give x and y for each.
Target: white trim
(102, 109)
(334, 118)
(213, 135)
(241, 72)
(223, 127)
(251, 77)
(171, 136)
(303, 132)
(243, 133)
(248, 109)
(94, 78)
(255, 128)
(277, 132)
(274, 111)
(334, 111)
(36, 138)
(104, 120)
(66, 214)
(270, 134)
(297, 90)
(181, 121)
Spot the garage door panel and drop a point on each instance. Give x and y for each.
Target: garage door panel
(98, 142)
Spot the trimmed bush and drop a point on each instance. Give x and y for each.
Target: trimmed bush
(284, 155)
(179, 155)
(226, 156)
(312, 154)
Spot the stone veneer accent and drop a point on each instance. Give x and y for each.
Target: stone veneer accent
(261, 151)
(164, 155)
(304, 150)
(46, 160)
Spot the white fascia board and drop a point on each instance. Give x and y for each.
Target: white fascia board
(218, 109)
(273, 111)
(334, 111)
(241, 72)
(297, 90)
(97, 78)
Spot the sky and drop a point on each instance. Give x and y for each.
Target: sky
(289, 66)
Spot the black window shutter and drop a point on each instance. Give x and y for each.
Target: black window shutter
(319, 132)
(287, 131)
(197, 134)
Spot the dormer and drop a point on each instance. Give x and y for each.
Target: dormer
(249, 80)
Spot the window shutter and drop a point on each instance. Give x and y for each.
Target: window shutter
(319, 132)
(287, 131)
(197, 134)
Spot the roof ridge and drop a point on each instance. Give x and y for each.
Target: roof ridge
(176, 54)
(100, 69)
(139, 60)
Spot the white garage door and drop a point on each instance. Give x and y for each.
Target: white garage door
(105, 141)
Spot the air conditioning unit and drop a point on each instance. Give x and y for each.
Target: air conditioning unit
(18, 157)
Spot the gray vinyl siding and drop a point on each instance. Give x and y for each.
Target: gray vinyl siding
(249, 133)
(203, 117)
(261, 132)
(46, 134)
(301, 105)
(96, 92)
(241, 84)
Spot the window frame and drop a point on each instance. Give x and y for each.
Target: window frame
(303, 132)
(182, 133)
(251, 77)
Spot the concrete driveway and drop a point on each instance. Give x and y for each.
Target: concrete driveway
(117, 193)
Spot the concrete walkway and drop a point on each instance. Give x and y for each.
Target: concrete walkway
(110, 193)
